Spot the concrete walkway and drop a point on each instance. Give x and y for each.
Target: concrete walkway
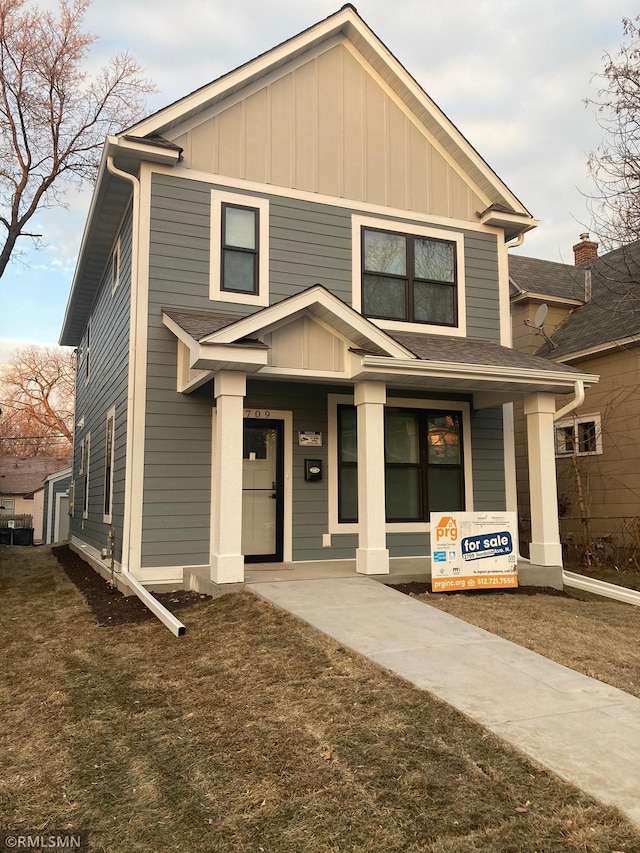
(583, 730)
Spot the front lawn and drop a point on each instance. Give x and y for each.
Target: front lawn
(251, 733)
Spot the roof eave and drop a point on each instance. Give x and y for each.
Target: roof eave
(128, 153)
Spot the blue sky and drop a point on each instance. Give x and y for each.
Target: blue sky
(512, 76)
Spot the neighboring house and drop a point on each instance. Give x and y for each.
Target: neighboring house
(55, 509)
(592, 323)
(291, 308)
(21, 488)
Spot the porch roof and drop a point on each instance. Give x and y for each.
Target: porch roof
(490, 372)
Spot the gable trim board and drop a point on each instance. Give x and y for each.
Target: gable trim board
(348, 24)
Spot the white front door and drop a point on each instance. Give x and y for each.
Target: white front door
(262, 490)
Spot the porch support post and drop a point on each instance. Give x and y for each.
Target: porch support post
(545, 549)
(372, 556)
(227, 561)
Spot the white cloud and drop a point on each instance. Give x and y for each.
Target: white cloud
(512, 76)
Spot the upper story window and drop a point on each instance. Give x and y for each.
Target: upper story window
(114, 266)
(580, 436)
(239, 249)
(406, 277)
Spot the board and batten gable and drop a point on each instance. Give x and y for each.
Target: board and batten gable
(105, 389)
(328, 123)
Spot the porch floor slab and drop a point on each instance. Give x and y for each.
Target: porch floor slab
(586, 732)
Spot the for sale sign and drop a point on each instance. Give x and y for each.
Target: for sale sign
(473, 550)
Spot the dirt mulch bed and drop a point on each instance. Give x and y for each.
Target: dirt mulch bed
(107, 604)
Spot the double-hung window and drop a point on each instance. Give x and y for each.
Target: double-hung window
(239, 269)
(240, 235)
(84, 472)
(109, 458)
(409, 277)
(424, 470)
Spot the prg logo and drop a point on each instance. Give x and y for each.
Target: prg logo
(447, 529)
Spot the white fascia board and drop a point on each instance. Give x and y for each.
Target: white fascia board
(601, 349)
(275, 314)
(533, 296)
(241, 357)
(482, 373)
(184, 337)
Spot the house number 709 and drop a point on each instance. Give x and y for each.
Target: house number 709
(257, 413)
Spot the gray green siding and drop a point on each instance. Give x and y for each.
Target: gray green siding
(106, 388)
(309, 243)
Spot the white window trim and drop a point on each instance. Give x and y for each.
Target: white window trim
(357, 224)
(86, 445)
(216, 293)
(334, 400)
(114, 264)
(4, 509)
(111, 416)
(87, 354)
(573, 422)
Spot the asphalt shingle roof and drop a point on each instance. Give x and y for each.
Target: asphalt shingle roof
(613, 312)
(553, 279)
(25, 476)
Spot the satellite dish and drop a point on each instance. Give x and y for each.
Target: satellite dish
(541, 316)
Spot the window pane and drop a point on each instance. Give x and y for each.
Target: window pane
(383, 297)
(401, 438)
(434, 303)
(239, 270)
(444, 439)
(564, 439)
(402, 493)
(348, 493)
(348, 435)
(240, 228)
(586, 437)
(445, 489)
(434, 260)
(385, 253)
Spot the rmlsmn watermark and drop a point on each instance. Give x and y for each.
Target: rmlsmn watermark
(54, 839)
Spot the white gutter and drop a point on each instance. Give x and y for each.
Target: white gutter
(607, 590)
(578, 400)
(165, 616)
(133, 325)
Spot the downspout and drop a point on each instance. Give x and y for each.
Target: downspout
(578, 400)
(133, 326)
(165, 616)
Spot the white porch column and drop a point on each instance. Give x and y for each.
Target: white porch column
(545, 531)
(227, 561)
(372, 557)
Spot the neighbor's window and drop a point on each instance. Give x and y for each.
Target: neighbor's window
(109, 453)
(423, 463)
(580, 436)
(406, 277)
(239, 249)
(7, 507)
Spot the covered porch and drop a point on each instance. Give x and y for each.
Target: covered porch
(316, 338)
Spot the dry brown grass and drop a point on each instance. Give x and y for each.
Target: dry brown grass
(251, 733)
(595, 636)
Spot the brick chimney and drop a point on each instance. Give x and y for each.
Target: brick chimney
(585, 251)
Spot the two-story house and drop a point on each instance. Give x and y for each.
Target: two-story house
(592, 322)
(291, 306)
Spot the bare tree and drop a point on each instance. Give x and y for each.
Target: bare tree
(53, 116)
(615, 165)
(36, 402)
